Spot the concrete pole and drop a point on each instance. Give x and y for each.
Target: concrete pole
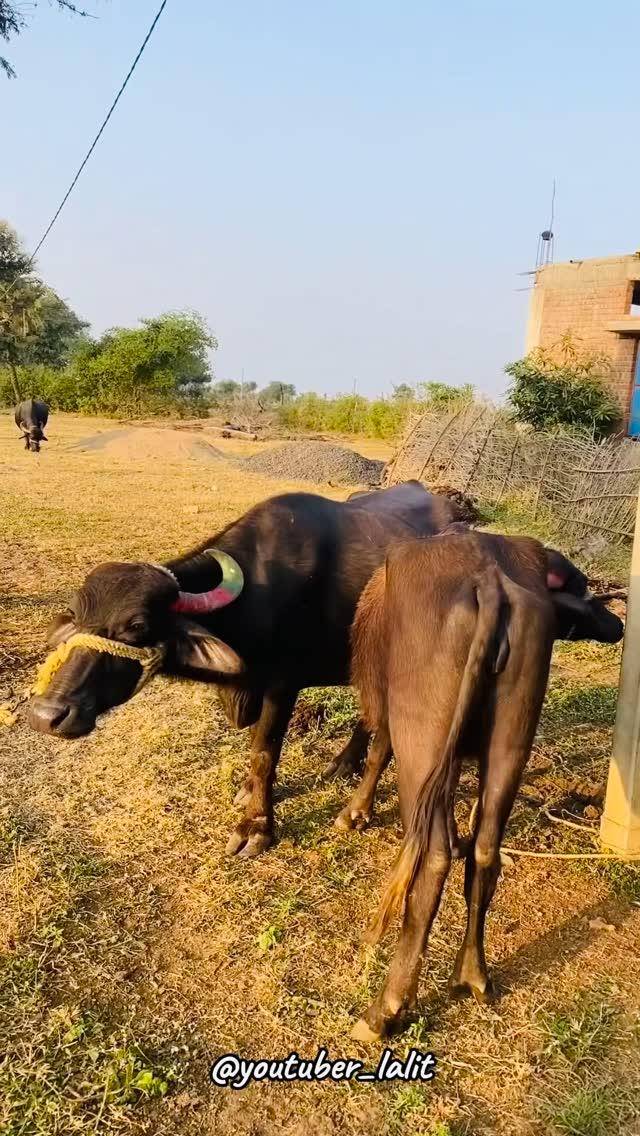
(620, 827)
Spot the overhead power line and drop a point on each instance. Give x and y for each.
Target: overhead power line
(93, 145)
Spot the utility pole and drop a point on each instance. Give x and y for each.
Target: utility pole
(620, 826)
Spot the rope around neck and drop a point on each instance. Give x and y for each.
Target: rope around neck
(149, 658)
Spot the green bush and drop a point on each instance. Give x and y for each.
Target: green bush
(562, 388)
(159, 368)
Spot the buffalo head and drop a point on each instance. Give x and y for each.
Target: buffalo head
(579, 614)
(33, 437)
(136, 605)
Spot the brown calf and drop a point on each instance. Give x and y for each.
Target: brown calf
(452, 643)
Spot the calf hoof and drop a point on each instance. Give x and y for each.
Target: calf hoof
(249, 839)
(352, 818)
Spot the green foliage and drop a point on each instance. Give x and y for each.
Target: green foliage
(12, 22)
(562, 388)
(376, 418)
(438, 396)
(157, 368)
(403, 392)
(36, 326)
(59, 332)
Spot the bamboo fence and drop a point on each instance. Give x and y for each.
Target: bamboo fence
(584, 485)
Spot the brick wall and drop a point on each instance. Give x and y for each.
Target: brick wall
(583, 298)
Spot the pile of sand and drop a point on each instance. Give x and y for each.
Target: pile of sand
(315, 461)
(136, 443)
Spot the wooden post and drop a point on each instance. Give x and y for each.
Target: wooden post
(620, 827)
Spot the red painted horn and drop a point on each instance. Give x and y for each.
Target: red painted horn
(226, 592)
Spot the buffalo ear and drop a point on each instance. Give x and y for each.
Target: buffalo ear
(60, 629)
(194, 652)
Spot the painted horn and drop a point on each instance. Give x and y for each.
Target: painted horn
(227, 591)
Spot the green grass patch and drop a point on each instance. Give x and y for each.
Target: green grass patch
(579, 1036)
(333, 710)
(577, 704)
(588, 1112)
(623, 878)
(76, 1074)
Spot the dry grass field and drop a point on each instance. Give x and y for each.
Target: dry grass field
(132, 952)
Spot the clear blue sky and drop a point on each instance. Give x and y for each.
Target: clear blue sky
(346, 190)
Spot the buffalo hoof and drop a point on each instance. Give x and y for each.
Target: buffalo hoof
(251, 838)
(362, 1032)
(352, 818)
(341, 767)
(485, 996)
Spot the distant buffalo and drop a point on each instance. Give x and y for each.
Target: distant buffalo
(31, 417)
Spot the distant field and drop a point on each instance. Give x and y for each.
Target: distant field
(132, 952)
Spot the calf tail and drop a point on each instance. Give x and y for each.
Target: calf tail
(439, 782)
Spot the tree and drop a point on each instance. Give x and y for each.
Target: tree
(225, 389)
(403, 393)
(163, 364)
(12, 22)
(276, 394)
(440, 395)
(36, 326)
(563, 387)
(60, 329)
(20, 296)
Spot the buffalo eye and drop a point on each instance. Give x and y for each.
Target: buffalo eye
(135, 630)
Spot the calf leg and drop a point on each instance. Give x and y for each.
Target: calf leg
(349, 762)
(358, 813)
(385, 1014)
(254, 834)
(514, 713)
(500, 774)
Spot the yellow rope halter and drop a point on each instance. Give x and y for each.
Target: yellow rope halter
(149, 658)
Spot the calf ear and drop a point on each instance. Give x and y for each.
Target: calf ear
(562, 575)
(60, 629)
(194, 652)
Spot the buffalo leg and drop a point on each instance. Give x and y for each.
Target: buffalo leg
(254, 834)
(349, 762)
(358, 813)
(385, 1014)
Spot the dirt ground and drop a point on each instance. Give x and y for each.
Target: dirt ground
(132, 952)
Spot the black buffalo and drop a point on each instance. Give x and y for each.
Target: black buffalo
(305, 561)
(31, 417)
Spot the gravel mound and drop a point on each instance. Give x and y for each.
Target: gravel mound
(315, 461)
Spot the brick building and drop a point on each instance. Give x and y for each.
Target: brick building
(598, 301)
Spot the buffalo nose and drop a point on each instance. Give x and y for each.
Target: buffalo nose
(63, 719)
